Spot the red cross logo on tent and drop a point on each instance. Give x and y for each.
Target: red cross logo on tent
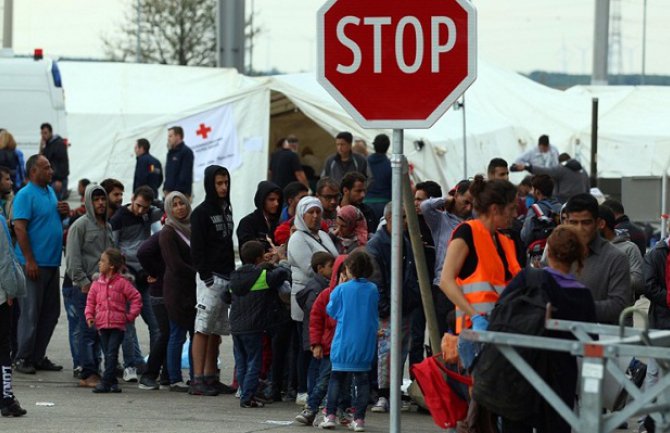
(203, 130)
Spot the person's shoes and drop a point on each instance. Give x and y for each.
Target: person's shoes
(201, 388)
(13, 409)
(251, 404)
(221, 388)
(130, 374)
(178, 387)
(345, 417)
(24, 366)
(116, 389)
(357, 425)
(101, 388)
(306, 417)
(301, 399)
(405, 405)
(382, 405)
(90, 382)
(147, 383)
(262, 398)
(76, 373)
(238, 393)
(46, 365)
(328, 423)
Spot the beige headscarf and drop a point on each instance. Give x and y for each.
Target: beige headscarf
(183, 226)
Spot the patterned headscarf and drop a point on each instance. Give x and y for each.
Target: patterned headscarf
(354, 219)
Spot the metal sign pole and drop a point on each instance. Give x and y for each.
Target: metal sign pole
(397, 228)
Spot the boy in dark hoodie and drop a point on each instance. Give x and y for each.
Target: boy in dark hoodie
(260, 225)
(214, 258)
(255, 290)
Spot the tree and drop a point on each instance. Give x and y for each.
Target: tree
(176, 32)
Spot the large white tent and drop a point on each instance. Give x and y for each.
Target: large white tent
(110, 105)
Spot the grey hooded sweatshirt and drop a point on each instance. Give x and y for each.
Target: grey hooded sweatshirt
(86, 240)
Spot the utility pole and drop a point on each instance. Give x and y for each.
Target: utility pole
(600, 43)
(8, 20)
(230, 21)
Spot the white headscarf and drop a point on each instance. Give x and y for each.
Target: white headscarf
(304, 205)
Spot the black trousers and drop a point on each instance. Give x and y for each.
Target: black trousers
(158, 351)
(5, 359)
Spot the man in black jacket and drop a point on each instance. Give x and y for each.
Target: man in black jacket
(179, 164)
(637, 235)
(54, 148)
(260, 225)
(148, 169)
(214, 259)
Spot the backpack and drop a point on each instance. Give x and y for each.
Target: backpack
(498, 386)
(543, 224)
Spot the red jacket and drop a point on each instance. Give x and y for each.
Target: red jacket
(321, 325)
(107, 299)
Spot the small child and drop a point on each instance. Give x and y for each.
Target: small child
(353, 305)
(255, 295)
(321, 332)
(106, 310)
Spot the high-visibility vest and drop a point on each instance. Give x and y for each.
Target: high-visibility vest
(483, 288)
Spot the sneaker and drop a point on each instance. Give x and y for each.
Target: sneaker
(76, 373)
(328, 423)
(164, 383)
(345, 417)
(301, 399)
(178, 387)
(24, 366)
(382, 405)
(405, 405)
(115, 388)
(90, 382)
(201, 388)
(357, 425)
(238, 393)
(262, 398)
(251, 404)
(130, 374)
(147, 383)
(306, 417)
(101, 388)
(13, 409)
(221, 388)
(46, 365)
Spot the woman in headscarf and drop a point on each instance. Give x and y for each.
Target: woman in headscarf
(351, 229)
(307, 239)
(179, 281)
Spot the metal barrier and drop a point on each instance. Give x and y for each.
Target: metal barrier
(625, 342)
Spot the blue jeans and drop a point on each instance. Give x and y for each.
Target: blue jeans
(111, 340)
(338, 384)
(70, 305)
(320, 388)
(313, 374)
(89, 342)
(174, 348)
(248, 351)
(132, 355)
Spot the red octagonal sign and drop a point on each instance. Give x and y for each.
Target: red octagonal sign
(397, 63)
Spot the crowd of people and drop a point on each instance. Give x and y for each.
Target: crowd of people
(315, 273)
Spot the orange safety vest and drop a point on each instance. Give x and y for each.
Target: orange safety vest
(483, 288)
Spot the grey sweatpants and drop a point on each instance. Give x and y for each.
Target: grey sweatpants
(40, 309)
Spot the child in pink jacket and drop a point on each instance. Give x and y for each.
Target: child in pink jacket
(106, 310)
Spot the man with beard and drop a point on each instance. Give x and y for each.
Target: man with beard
(353, 189)
(114, 190)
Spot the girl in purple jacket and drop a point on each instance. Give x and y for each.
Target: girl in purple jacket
(106, 310)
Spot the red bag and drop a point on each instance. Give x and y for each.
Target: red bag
(445, 405)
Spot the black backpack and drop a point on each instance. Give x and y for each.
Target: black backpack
(498, 385)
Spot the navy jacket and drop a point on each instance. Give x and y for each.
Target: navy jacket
(149, 172)
(179, 169)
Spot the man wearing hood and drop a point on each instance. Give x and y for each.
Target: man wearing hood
(54, 148)
(214, 259)
(87, 238)
(260, 225)
(569, 177)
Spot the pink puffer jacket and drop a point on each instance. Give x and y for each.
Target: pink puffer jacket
(107, 299)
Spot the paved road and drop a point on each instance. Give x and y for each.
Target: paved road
(79, 410)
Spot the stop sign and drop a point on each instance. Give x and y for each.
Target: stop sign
(396, 63)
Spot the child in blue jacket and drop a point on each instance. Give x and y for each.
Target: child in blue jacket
(354, 306)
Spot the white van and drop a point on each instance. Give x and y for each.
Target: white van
(31, 93)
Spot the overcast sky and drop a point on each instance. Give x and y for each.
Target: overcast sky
(522, 35)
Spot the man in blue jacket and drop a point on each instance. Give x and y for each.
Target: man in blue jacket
(148, 169)
(179, 164)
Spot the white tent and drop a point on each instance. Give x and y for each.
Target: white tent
(110, 105)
